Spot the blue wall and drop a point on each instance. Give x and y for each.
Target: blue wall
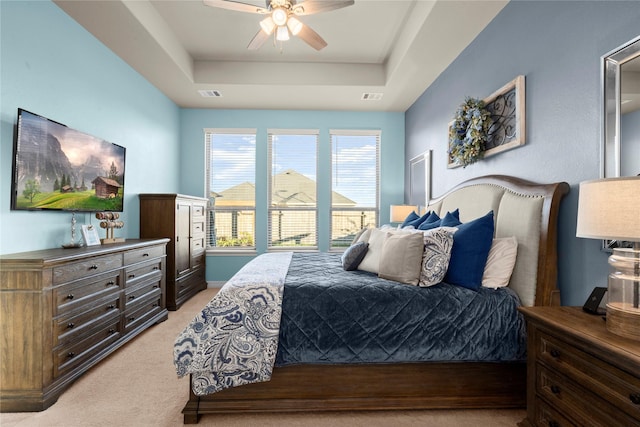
(558, 47)
(194, 122)
(54, 67)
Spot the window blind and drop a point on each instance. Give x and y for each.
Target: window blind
(355, 180)
(231, 177)
(293, 188)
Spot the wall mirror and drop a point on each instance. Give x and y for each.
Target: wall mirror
(420, 179)
(621, 118)
(621, 99)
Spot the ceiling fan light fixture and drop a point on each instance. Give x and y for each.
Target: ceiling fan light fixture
(279, 16)
(267, 25)
(294, 25)
(282, 33)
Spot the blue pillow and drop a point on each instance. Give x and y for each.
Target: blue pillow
(449, 219)
(411, 217)
(432, 221)
(353, 256)
(416, 222)
(471, 245)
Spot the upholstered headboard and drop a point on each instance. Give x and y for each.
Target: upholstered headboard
(523, 209)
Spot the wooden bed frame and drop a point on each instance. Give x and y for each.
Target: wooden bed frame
(424, 385)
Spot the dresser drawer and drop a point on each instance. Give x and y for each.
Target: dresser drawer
(587, 408)
(151, 270)
(199, 211)
(90, 266)
(144, 254)
(67, 357)
(70, 328)
(73, 295)
(612, 384)
(545, 416)
(198, 227)
(142, 292)
(197, 245)
(140, 313)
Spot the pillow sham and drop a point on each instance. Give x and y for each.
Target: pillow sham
(401, 257)
(354, 255)
(437, 252)
(471, 245)
(411, 217)
(451, 219)
(500, 262)
(416, 222)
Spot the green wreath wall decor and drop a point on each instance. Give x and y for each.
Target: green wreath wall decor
(469, 132)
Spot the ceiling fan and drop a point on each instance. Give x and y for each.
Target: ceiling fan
(282, 18)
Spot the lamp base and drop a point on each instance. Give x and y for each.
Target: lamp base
(623, 321)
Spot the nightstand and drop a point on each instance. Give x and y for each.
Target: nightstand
(578, 373)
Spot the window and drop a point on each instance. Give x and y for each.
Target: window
(293, 188)
(354, 184)
(231, 178)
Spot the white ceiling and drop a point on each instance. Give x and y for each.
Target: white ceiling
(394, 47)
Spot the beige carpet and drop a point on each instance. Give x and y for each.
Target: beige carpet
(138, 386)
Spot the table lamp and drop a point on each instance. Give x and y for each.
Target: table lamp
(398, 213)
(610, 209)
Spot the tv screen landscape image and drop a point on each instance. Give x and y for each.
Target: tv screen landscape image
(59, 168)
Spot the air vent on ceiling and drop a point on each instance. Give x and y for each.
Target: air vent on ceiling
(371, 96)
(210, 93)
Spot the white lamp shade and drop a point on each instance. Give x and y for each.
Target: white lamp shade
(294, 25)
(282, 34)
(267, 25)
(609, 209)
(398, 213)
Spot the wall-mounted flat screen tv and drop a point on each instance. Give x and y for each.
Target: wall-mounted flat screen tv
(59, 168)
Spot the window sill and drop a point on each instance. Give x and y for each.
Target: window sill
(230, 252)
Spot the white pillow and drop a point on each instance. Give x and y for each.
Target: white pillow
(371, 261)
(500, 263)
(401, 258)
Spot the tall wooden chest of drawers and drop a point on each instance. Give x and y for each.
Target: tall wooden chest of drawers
(579, 373)
(64, 310)
(182, 219)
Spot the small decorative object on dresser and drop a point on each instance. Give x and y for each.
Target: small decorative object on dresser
(110, 221)
(90, 235)
(182, 219)
(578, 373)
(64, 310)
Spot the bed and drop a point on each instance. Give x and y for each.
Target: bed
(319, 378)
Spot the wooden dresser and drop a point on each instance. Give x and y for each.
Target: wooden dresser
(182, 219)
(578, 373)
(64, 310)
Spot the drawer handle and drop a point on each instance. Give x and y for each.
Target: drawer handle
(70, 296)
(635, 398)
(111, 283)
(71, 354)
(131, 319)
(145, 254)
(111, 306)
(132, 297)
(155, 304)
(555, 353)
(156, 268)
(93, 267)
(131, 276)
(112, 331)
(70, 325)
(555, 389)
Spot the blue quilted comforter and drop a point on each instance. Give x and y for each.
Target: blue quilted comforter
(333, 316)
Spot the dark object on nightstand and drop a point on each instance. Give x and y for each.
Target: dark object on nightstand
(595, 304)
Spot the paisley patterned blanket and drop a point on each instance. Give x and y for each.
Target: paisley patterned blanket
(234, 340)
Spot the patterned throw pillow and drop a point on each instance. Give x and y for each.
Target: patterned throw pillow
(353, 256)
(437, 253)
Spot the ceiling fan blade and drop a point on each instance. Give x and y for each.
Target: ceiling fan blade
(309, 7)
(311, 38)
(235, 5)
(258, 40)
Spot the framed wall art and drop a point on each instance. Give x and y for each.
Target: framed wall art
(507, 109)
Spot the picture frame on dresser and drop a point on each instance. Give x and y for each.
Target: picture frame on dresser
(90, 235)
